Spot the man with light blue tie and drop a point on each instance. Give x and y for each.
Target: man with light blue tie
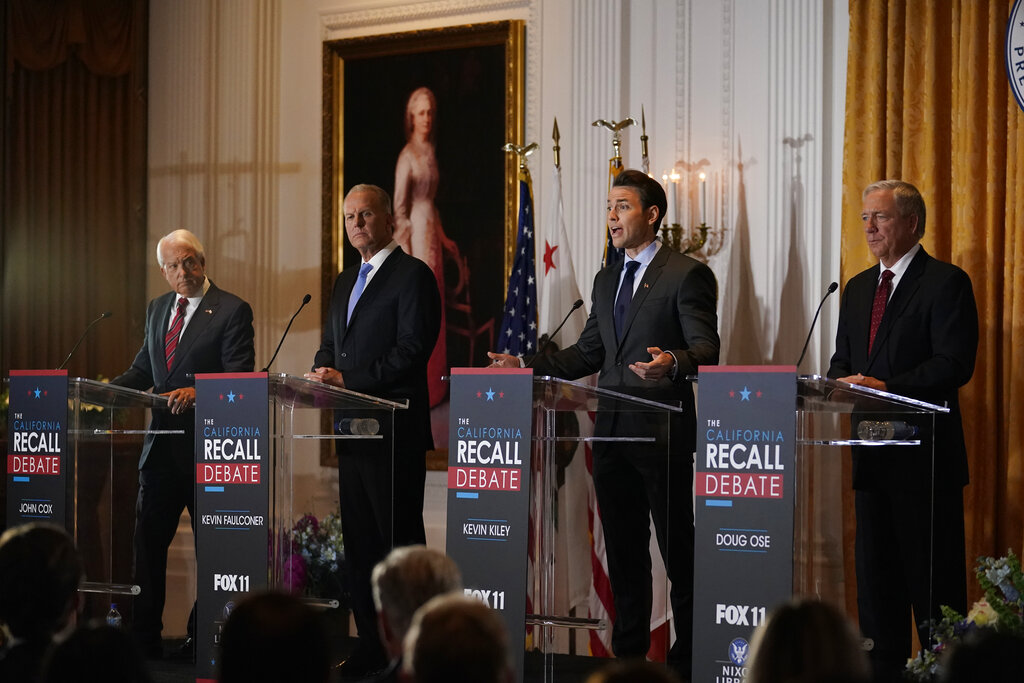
(382, 324)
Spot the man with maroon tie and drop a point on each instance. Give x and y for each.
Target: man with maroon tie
(194, 328)
(908, 326)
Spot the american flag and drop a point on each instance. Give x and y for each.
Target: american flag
(519, 325)
(611, 254)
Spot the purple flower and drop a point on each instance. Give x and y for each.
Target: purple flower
(294, 579)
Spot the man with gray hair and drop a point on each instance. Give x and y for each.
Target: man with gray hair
(908, 326)
(381, 327)
(457, 638)
(402, 583)
(196, 327)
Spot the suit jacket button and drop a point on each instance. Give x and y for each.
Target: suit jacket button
(344, 355)
(618, 363)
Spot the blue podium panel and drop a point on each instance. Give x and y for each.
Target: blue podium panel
(743, 517)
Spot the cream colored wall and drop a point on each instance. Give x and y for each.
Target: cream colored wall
(754, 88)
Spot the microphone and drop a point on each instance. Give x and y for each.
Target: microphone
(544, 347)
(831, 288)
(305, 300)
(104, 314)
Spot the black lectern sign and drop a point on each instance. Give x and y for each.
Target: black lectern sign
(232, 486)
(745, 475)
(37, 447)
(489, 490)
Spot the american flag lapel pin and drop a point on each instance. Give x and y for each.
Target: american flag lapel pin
(209, 311)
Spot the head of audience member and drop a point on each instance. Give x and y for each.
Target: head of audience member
(95, 652)
(419, 114)
(273, 636)
(182, 262)
(983, 655)
(806, 641)
(369, 222)
(456, 638)
(633, 671)
(402, 582)
(894, 215)
(40, 571)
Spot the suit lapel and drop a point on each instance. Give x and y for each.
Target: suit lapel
(898, 302)
(374, 287)
(651, 275)
(158, 336)
(200, 320)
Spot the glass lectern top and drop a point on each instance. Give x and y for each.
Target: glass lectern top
(560, 394)
(105, 394)
(299, 392)
(821, 394)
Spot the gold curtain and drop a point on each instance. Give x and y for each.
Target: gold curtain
(927, 101)
(72, 208)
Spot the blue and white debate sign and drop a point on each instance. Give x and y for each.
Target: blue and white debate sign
(489, 491)
(232, 469)
(743, 544)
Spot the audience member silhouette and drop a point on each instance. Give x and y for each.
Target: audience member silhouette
(806, 641)
(271, 637)
(633, 671)
(96, 652)
(402, 583)
(983, 655)
(456, 638)
(40, 571)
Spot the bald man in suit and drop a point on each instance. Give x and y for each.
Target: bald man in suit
(196, 327)
(908, 326)
(383, 321)
(652, 322)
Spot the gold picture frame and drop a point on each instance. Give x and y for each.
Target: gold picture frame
(475, 74)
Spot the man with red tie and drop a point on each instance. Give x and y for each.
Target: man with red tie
(908, 326)
(194, 328)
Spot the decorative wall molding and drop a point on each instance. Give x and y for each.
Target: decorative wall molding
(347, 20)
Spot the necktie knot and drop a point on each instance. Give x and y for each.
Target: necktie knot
(182, 304)
(887, 276)
(365, 269)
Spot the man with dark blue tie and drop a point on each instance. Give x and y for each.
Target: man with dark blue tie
(653, 321)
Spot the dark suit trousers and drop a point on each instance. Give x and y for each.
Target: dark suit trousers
(633, 486)
(895, 567)
(365, 489)
(166, 488)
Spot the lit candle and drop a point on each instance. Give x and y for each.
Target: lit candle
(673, 202)
(703, 198)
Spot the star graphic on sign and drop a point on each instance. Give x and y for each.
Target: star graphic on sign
(549, 256)
(732, 394)
(479, 394)
(745, 394)
(37, 392)
(490, 394)
(231, 397)
(501, 394)
(758, 394)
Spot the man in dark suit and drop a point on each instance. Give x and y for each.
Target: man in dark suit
(910, 327)
(652, 322)
(197, 327)
(384, 316)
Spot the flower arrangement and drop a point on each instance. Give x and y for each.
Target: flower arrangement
(318, 555)
(1001, 609)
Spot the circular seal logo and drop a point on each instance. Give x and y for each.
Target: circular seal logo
(738, 649)
(1015, 51)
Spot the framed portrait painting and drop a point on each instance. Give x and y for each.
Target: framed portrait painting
(424, 115)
